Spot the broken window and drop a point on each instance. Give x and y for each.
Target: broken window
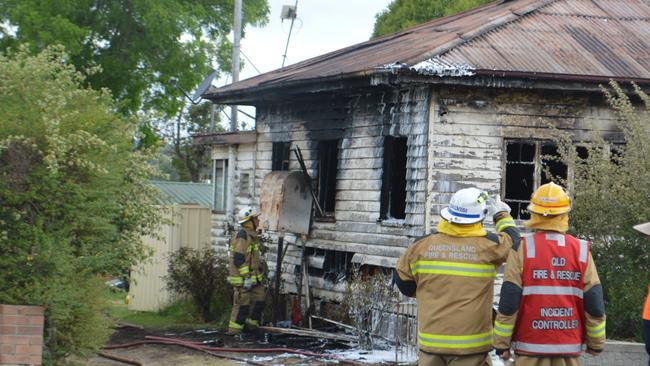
(528, 165)
(220, 186)
(393, 186)
(331, 265)
(328, 157)
(280, 156)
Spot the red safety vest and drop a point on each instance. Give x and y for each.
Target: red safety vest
(551, 315)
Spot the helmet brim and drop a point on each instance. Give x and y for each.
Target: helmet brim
(447, 215)
(548, 211)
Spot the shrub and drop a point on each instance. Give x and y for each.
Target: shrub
(611, 189)
(75, 198)
(201, 275)
(367, 298)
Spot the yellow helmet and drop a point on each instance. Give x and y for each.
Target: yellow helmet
(550, 199)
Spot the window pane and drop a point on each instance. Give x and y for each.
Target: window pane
(220, 184)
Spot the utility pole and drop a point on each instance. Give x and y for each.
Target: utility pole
(230, 203)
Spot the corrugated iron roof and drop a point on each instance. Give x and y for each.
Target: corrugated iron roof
(185, 193)
(572, 39)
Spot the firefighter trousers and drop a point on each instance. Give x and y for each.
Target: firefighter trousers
(431, 359)
(546, 361)
(247, 307)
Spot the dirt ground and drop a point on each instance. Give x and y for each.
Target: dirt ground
(168, 355)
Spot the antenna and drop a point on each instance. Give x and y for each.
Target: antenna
(205, 84)
(288, 12)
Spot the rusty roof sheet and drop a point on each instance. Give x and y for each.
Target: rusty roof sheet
(567, 38)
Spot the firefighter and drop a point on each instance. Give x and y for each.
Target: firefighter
(451, 275)
(246, 274)
(551, 299)
(645, 229)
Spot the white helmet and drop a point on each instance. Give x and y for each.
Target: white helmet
(467, 206)
(246, 214)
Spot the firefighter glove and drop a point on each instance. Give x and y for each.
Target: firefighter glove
(495, 205)
(248, 283)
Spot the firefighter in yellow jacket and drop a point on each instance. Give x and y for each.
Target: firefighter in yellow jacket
(551, 299)
(451, 274)
(246, 274)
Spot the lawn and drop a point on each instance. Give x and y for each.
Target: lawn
(180, 314)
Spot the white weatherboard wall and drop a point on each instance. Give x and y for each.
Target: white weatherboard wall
(245, 155)
(189, 226)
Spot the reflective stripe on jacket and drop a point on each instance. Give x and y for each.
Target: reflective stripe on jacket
(551, 315)
(454, 278)
(245, 242)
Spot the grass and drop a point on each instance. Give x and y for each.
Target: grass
(179, 314)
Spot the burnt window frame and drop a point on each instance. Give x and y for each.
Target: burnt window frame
(538, 177)
(280, 155)
(327, 158)
(391, 172)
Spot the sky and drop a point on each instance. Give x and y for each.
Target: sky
(321, 26)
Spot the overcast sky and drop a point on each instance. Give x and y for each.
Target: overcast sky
(322, 26)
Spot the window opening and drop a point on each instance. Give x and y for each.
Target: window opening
(244, 183)
(519, 177)
(393, 186)
(280, 156)
(530, 164)
(220, 187)
(552, 165)
(331, 265)
(328, 152)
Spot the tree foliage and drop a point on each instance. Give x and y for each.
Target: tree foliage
(138, 44)
(189, 159)
(402, 14)
(75, 197)
(611, 188)
(201, 275)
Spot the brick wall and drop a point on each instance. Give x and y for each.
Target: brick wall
(21, 335)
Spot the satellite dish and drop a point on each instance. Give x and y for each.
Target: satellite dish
(203, 87)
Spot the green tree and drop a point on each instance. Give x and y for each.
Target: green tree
(402, 14)
(139, 45)
(182, 159)
(611, 188)
(75, 196)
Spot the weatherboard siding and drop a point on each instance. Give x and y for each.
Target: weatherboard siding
(455, 139)
(360, 122)
(469, 127)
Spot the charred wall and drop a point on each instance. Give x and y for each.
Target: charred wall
(360, 124)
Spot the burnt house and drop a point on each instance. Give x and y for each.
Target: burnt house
(391, 127)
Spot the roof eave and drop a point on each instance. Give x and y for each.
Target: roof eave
(279, 90)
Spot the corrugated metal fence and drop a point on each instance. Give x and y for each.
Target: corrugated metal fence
(188, 226)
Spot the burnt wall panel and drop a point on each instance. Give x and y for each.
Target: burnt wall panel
(360, 121)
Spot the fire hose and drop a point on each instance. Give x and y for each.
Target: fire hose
(211, 350)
